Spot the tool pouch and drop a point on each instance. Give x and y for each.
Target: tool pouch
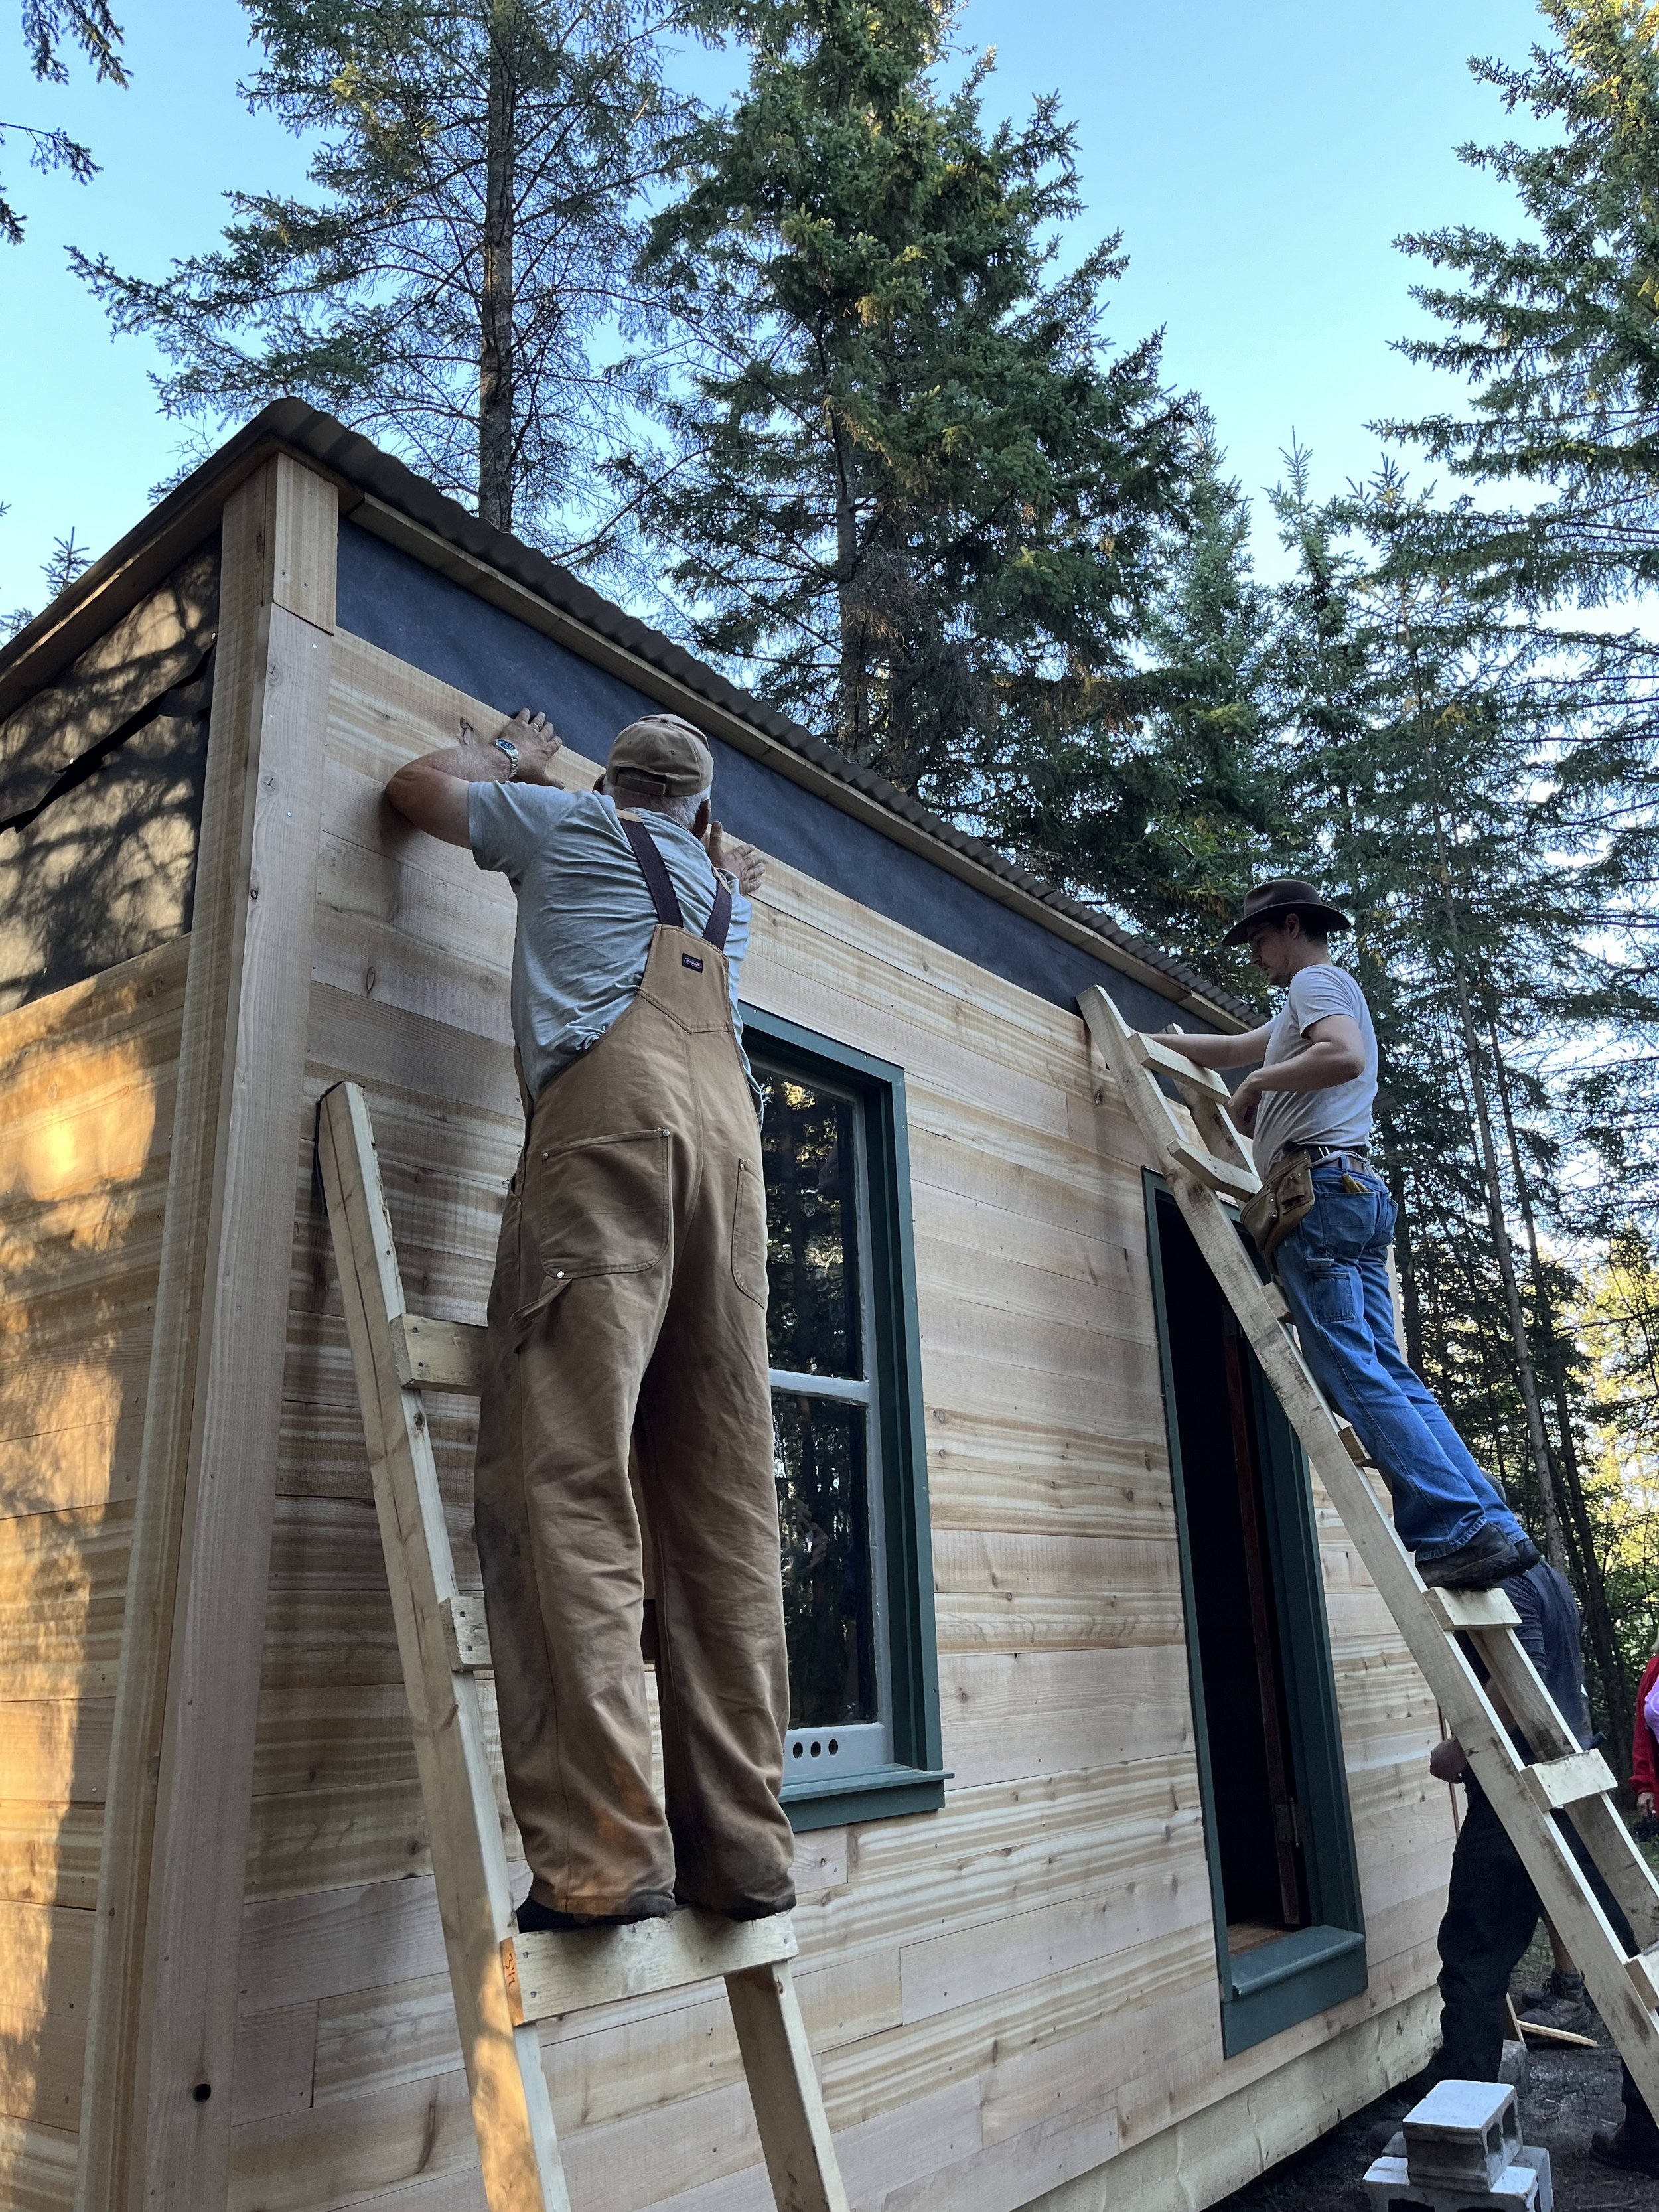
(1282, 1204)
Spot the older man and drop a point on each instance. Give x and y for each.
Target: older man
(1328, 1223)
(627, 1319)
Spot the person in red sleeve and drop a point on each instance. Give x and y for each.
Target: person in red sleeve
(1644, 1778)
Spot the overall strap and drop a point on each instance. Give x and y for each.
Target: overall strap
(720, 918)
(660, 885)
(654, 869)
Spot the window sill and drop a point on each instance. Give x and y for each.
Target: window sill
(1280, 1985)
(879, 1793)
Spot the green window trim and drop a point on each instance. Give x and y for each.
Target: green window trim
(1273, 1986)
(914, 1781)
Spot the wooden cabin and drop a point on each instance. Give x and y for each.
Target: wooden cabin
(1119, 1860)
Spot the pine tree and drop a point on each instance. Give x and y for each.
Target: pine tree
(50, 26)
(904, 489)
(1435, 732)
(449, 289)
(1558, 331)
(1169, 821)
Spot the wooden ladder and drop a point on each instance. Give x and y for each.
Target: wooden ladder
(504, 1982)
(1206, 1165)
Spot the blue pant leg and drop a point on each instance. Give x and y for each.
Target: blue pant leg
(1379, 1312)
(1435, 1507)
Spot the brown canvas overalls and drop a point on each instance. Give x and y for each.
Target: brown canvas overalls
(628, 1309)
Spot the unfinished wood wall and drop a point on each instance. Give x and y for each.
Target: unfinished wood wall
(86, 1118)
(1002, 1996)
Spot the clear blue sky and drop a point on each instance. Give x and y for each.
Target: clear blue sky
(1259, 159)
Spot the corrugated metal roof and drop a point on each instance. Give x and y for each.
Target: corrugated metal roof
(363, 467)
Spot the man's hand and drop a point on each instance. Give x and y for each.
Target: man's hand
(1644, 1803)
(1447, 1762)
(431, 792)
(1246, 1101)
(736, 858)
(537, 740)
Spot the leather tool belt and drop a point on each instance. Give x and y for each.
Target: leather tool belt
(1283, 1203)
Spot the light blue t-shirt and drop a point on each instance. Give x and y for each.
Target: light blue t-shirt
(585, 916)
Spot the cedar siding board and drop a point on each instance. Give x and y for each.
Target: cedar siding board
(1012, 2000)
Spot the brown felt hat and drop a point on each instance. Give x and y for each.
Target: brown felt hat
(663, 754)
(1286, 895)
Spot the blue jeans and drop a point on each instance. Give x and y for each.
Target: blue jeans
(1334, 1269)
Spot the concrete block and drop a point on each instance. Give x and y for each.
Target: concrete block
(1463, 2134)
(1514, 2067)
(1524, 2186)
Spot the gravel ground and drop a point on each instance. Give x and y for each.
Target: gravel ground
(1569, 2094)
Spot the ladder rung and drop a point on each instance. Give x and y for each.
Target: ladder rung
(466, 1635)
(1351, 1443)
(1555, 1783)
(1220, 1174)
(1457, 1609)
(438, 1355)
(1644, 1971)
(547, 1973)
(1152, 1052)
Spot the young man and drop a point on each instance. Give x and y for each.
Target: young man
(1312, 1095)
(627, 1320)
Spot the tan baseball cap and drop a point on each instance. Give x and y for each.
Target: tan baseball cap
(663, 753)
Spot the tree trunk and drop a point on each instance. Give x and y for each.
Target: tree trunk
(1554, 1547)
(852, 703)
(1411, 1298)
(496, 300)
(1616, 1692)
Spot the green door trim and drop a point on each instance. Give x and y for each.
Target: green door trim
(1274, 1985)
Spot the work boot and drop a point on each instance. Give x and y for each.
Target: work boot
(535, 1919)
(1481, 1563)
(1632, 2146)
(1561, 2003)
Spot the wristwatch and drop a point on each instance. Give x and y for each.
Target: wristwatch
(506, 746)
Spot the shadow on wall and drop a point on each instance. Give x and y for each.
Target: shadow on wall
(102, 778)
(100, 786)
(86, 1109)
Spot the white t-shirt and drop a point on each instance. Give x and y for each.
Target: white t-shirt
(1341, 1115)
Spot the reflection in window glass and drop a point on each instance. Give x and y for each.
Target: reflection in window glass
(813, 1320)
(823, 1520)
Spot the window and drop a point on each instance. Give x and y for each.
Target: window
(848, 1449)
(1290, 1932)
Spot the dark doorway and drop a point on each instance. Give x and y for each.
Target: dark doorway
(1236, 1605)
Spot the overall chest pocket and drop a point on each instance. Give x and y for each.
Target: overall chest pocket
(601, 1207)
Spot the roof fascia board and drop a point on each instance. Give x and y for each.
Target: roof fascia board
(486, 582)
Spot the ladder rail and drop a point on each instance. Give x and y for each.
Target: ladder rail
(513, 2113)
(504, 1982)
(1625, 1989)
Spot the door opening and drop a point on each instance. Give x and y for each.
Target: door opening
(1259, 1840)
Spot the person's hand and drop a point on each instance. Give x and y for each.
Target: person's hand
(1447, 1762)
(1645, 1803)
(734, 858)
(537, 740)
(1245, 1104)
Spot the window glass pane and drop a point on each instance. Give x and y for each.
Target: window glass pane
(824, 1522)
(813, 1320)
